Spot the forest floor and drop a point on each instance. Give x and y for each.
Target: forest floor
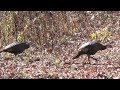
(58, 64)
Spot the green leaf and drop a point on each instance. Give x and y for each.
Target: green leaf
(94, 36)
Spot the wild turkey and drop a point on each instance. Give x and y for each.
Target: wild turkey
(90, 48)
(16, 47)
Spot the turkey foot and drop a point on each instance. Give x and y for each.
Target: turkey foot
(87, 62)
(96, 61)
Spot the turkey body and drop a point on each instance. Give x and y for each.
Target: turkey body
(90, 48)
(16, 47)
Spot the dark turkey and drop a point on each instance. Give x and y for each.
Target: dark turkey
(16, 47)
(90, 48)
